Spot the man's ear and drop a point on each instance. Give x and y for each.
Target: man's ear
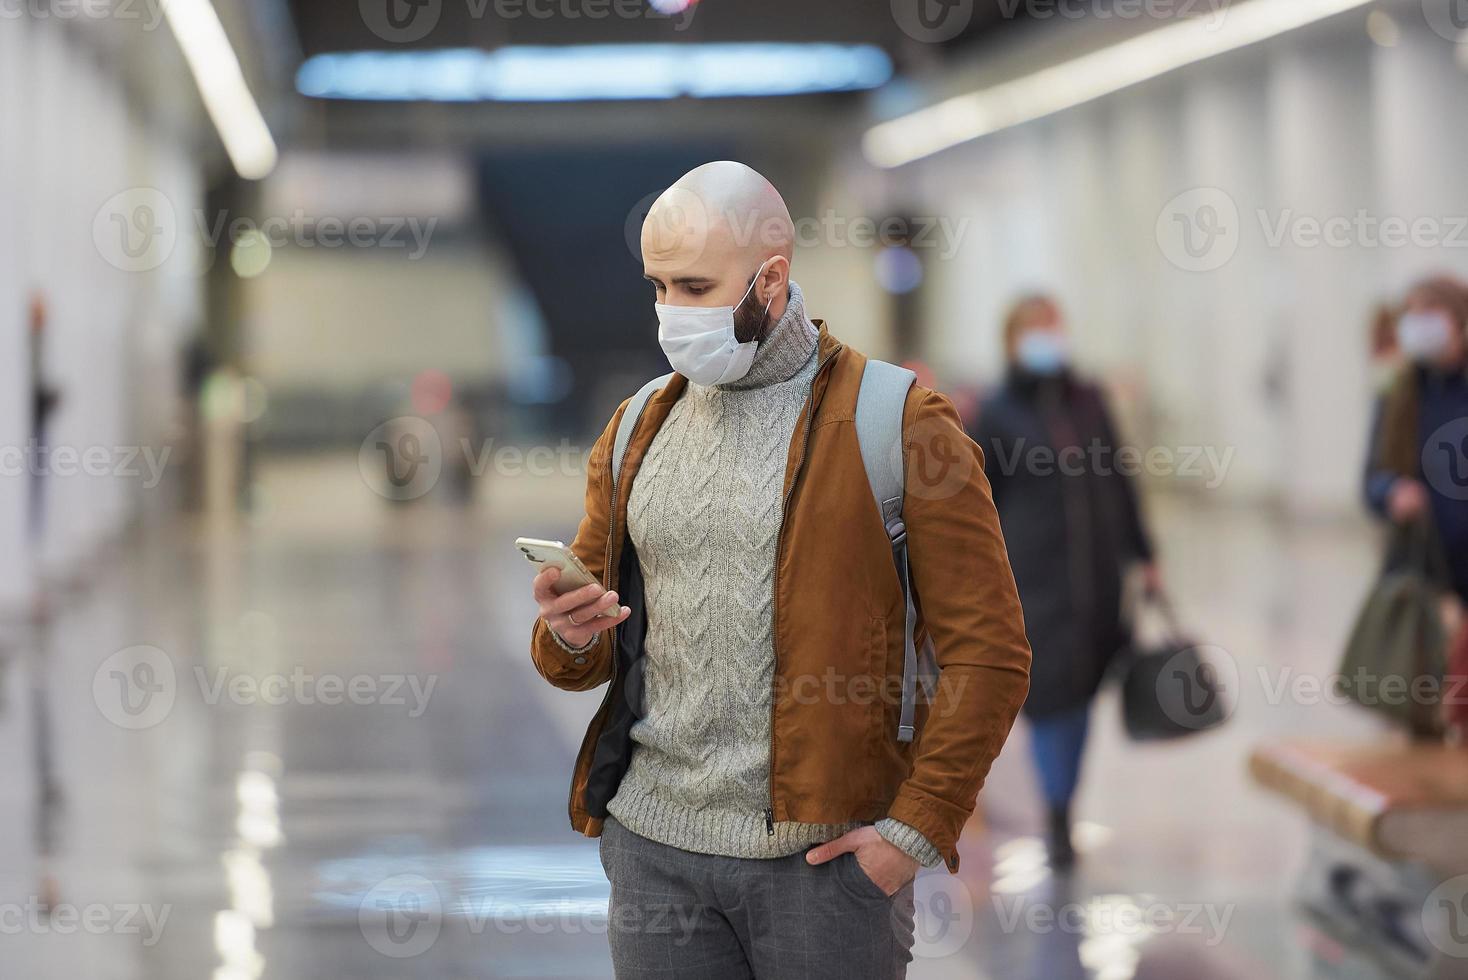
(774, 282)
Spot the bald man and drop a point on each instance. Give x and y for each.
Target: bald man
(758, 815)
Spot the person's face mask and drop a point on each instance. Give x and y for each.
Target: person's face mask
(700, 341)
(1043, 352)
(1424, 335)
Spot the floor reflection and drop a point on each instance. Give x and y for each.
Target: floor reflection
(273, 825)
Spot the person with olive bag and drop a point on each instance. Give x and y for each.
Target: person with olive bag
(1417, 477)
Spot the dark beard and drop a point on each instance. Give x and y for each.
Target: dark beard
(750, 320)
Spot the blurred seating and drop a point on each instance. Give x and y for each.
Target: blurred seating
(1389, 848)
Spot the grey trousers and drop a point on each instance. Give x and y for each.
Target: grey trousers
(676, 915)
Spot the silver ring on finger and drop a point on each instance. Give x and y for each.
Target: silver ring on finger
(572, 619)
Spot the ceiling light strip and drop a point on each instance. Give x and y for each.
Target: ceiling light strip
(1139, 59)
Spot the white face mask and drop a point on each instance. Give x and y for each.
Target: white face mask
(700, 343)
(1423, 336)
(1043, 352)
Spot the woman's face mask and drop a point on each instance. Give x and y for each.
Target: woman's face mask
(700, 341)
(1043, 352)
(1423, 335)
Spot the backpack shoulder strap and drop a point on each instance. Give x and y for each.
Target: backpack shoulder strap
(879, 406)
(635, 405)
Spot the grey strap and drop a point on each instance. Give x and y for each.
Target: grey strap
(879, 407)
(635, 405)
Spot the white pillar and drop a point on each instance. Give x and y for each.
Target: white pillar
(1234, 307)
(1420, 148)
(15, 409)
(1321, 134)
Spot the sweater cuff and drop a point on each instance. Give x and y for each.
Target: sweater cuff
(909, 841)
(568, 647)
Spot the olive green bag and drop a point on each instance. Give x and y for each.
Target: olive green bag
(1397, 654)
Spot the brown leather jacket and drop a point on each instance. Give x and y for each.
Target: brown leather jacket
(839, 618)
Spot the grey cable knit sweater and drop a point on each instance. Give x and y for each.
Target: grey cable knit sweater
(704, 514)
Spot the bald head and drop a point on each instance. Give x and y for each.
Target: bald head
(706, 236)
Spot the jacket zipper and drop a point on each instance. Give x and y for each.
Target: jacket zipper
(607, 577)
(775, 587)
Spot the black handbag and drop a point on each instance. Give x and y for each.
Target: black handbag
(1170, 688)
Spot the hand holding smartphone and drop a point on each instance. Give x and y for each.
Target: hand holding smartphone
(572, 601)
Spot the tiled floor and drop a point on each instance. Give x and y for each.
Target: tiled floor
(336, 761)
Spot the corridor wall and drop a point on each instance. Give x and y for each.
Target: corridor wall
(1259, 349)
(74, 157)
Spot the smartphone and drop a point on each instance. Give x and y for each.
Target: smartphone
(554, 553)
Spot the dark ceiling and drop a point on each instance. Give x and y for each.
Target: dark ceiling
(375, 24)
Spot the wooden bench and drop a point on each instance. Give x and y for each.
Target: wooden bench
(1388, 869)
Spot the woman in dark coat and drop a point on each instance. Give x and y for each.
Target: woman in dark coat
(1072, 524)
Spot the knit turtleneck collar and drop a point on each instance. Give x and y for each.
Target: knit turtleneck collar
(790, 343)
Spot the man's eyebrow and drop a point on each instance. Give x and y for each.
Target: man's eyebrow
(683, 280)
